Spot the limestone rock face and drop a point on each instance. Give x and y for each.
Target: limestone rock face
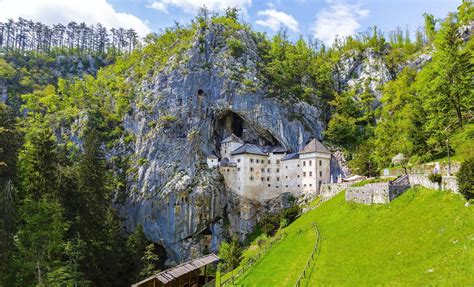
(181, 115)
(357, 69)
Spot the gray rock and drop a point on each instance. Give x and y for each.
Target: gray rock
(182, 113)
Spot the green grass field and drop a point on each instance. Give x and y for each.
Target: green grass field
(424, 237)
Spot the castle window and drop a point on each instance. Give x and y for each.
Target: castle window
(227, 170)
(268, 178)
(310, 173)
(238, 160)
(251, 178)
(238, 169)
(298, 165)
(268, 170)
(298, 175)
(286, 185)
(278, 170)
(286, 176)
(251, 169)
(278, 179)
(320, 162)
(251, 160)
(286, 166)
(304, 163)
(304, 185)
(263, 178)
(269, 185)
(276, 186)
(310, 185)
(257, 161)
(263, 170)
(304, 173)
(298, 185)
(269, 161)
(278, 161)
(321, 174)
(310, 162)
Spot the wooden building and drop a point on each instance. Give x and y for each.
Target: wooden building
(192, 273)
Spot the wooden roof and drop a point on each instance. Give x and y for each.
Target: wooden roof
(181, 269)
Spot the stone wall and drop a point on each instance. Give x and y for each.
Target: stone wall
(329, 190)
(378, 193)
(447, 182)
(369, 193)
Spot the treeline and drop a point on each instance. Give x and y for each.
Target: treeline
(25, 35)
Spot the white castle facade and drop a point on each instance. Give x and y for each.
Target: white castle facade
(262, 173)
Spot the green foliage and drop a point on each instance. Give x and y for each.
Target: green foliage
(149, 262)
(40, 240)
(230, 254)
(236, 47)
(435, 177)
(465, 178)
(430, 26)
(466, 11)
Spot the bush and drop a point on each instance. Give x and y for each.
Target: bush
(236, 47)
(270, 223)
(435, 177)
(465, 178)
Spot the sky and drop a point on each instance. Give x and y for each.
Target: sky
(322, 19)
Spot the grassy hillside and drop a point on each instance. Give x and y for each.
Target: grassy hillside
(424, 237)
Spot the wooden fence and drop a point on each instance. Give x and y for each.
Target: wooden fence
(310, 263)
(251, 261)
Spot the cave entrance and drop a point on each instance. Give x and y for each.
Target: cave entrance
(228, 123)
(161, 252)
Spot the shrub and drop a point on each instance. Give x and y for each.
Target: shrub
(230, 253)
(270, 223)
(465, 177)
(435, 177)
(236, 47)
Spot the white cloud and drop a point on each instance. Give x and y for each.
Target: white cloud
(338, 20)
(158, 6)
(63, 11)
(191, 6)
(274, 20)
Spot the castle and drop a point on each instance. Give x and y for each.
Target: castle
(262, 173)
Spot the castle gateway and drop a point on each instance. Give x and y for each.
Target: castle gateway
(262, 173)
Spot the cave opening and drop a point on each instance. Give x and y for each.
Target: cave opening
(228, 123)
(161, 252)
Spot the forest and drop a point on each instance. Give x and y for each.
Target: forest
(24, 35)
(64, 161)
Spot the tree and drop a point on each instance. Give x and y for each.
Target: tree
(40, 240)
(364, 162)
(430, 26)
(465, 178)
(230, 253)
(39, 161)
(136, 247)
(149, 262)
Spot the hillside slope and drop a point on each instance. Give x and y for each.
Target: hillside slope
(423, 237)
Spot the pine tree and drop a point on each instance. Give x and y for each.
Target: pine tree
(149, 262)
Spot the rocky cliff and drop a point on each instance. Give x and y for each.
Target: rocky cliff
(183, 114)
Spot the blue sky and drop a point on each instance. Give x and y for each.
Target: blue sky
(323, 19)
